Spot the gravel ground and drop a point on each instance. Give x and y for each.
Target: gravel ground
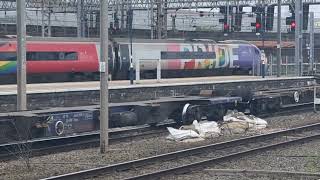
(297, 158)
(61, 163)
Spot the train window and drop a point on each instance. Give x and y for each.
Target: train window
(61, 55)
(188, 55)
(70, 56)
(40, 56)
(51, 56)
(8, 56)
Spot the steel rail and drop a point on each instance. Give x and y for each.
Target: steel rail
(194, 166)
(136, 164)
(264, 173)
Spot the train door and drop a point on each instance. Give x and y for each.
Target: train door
(234, 57)
(123, 61)
(116, 65)
(223, 57)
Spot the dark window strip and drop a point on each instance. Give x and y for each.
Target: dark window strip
(40, 56)
(188, 55)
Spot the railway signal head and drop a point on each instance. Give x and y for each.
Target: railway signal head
(293, 26)
(258, 27)
(292, 23)
(226, 29)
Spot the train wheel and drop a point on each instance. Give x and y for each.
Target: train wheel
(59, 128)
(190, 113)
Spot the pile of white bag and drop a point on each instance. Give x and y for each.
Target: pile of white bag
(233, 123)
(200, 131)
(252, 122)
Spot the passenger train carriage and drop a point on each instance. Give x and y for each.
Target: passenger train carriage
(68, 59)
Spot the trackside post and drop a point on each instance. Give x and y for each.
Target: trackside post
(263, 63)
(103, 67)
(21, 53)
(316, 101)
(158, 70)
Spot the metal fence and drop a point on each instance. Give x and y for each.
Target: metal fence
(288, 66)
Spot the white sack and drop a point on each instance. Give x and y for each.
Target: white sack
(236, 127)
(179, 135)
(255, 123)
(207, 129)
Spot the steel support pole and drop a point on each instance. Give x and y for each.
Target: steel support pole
(49, 23)
(152, 18)
(312, 42)
(158, 70)
(174, 23)
(301, 38)
(159, 19)
(122, 16)
(42, 19)
(164, 19)
(137, 70)
(298, 37)
(104, 94)
(279, 40)
(21, 56)
(228, 14)
(314, 97)
(130, 19)
(79, 17)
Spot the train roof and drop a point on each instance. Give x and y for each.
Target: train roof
(260, 44)
(119, 40)
(174, 40)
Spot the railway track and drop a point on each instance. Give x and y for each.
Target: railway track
(44, 146)
(188, 160)
(262, 173)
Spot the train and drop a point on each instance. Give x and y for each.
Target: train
(200, 104)
(71, 59)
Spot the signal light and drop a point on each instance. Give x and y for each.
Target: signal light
(292, 23)
(226, 27)
(258, 27)
(258, 24)
(293, 26)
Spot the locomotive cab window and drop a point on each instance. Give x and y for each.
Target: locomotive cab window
(40, 56)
